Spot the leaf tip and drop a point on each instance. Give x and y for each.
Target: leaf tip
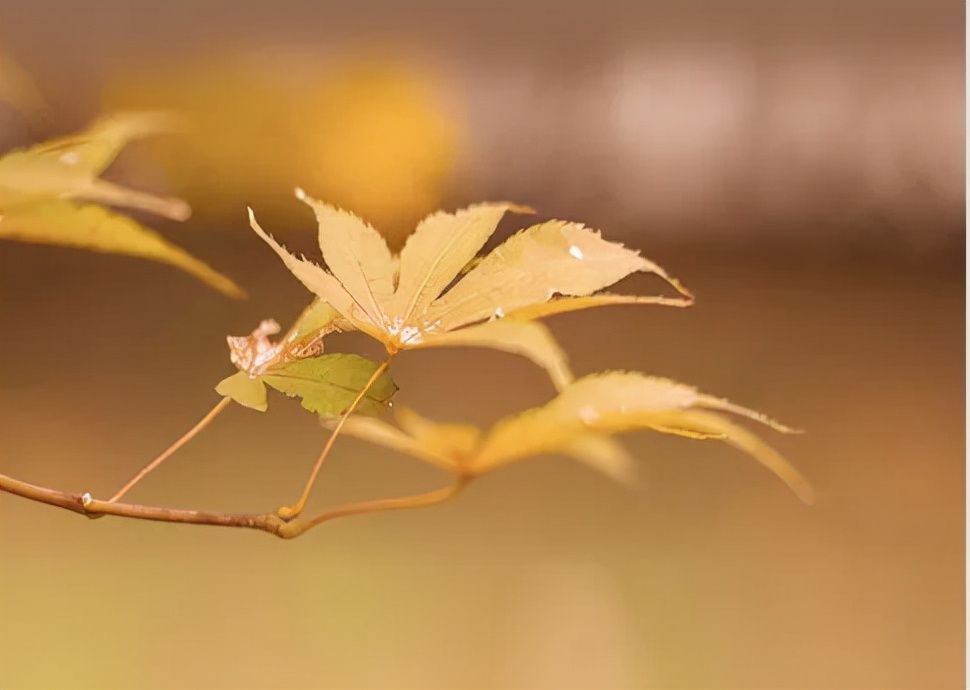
(689, 297)
(254, 224)
(179, 210)
(804, 491)
(232, 290)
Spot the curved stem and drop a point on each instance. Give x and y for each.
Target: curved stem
(185, 438)
(290, 512)
(421, 500)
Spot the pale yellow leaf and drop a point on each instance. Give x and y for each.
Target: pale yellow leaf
(563, 305)
(380, 432)
(605, 455)
(577, 423)
(245, 390)
(356, 255)
(716, 426)
(68, 166)
(321, 283)
(454, 441)
(457, 447)
(547, 261)
(94, 149)
(65, 223)
(616, 393)
(624, 401)
(440, 247)
(533, 266)
(728, 406)
(525, 338)
(318, 317)
(530, 433)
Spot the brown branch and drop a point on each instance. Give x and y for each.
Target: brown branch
(84, 504)
(92, 507)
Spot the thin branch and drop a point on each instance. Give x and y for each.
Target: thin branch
(290, 512)
(185, 438)
(383, 504)
(92, 507)
(271, 523)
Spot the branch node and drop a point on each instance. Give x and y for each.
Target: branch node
(86, 499)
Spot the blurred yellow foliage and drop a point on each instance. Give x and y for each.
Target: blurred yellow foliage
(368, 134)
(383, 146)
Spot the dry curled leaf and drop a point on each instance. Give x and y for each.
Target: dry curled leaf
(577, 422)
(405, 302)
(41, 187)
(296, 366)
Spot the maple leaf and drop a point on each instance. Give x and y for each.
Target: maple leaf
(41, 189)
(404, 301)
(577, 423)
(326, 384)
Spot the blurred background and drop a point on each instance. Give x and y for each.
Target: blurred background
(799, 166)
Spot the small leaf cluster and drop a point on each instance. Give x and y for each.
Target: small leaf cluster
(439, 293)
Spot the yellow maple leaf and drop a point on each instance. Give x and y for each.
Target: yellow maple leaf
(404, 301)
(41, 187)
(577, 422)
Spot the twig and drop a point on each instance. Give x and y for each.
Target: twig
(422, 500)
(290, 512)
(85, 504)
(185, 438)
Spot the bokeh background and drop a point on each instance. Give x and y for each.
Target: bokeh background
(798, 165)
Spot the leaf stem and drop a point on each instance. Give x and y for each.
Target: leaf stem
(290, 512)
(421, 500)
(185, 438)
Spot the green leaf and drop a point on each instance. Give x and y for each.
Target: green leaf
(246, 391)
(328, 384)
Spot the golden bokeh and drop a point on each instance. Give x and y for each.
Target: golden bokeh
(369, 134)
